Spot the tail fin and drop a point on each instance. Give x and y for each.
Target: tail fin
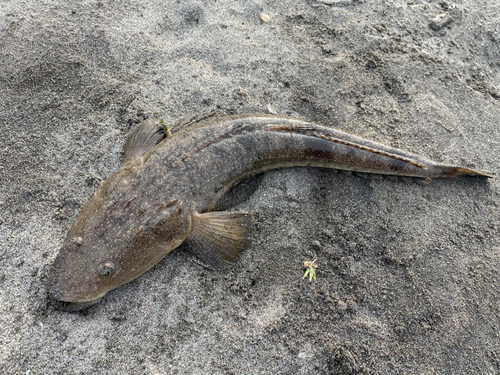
(452, 171)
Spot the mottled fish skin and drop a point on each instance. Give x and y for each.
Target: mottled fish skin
(162, 197)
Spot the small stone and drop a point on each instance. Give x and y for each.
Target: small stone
(264, 18)
(440, 21)
(342, 306)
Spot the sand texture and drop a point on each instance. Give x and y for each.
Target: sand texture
(408, 278)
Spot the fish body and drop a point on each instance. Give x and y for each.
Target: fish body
(166, 192)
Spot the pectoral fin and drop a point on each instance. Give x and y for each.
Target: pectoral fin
(219, 237)
(143, 138)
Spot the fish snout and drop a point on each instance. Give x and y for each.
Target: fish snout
(57, 299)
(72, 306)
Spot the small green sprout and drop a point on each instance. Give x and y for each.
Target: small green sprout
(310, 269)
(167, 130)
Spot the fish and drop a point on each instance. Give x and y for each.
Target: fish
(167, 190)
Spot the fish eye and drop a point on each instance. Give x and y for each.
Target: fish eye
(107, 269)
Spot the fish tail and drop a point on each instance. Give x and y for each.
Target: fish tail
(448, 171)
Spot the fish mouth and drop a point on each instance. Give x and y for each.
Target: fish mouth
(62, 298)
(73, 306)
(70, 304)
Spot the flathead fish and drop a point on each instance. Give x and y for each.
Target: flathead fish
(167, 189)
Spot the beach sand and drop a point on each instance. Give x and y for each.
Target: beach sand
(408, 277)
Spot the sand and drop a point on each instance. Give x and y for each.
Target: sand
(408, 271)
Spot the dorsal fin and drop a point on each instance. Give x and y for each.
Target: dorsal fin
(144, 137)
(219, 237)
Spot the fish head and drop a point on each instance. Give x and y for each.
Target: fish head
(108, 247)
(80, 278)
(83, 270)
